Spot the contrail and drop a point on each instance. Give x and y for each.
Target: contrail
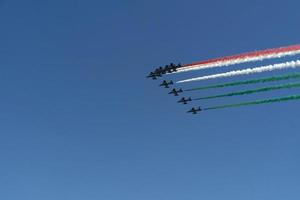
(243, 58)
(247, 82)
(267, 68)
(282, 99)
(246, 92)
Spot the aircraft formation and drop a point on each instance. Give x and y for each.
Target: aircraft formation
(160, 71)
(226, 62)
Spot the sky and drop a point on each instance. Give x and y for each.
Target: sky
(78, 119)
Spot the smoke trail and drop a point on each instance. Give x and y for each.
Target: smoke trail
(243, 58)
(283, 99)
(279, 66)
(245, 92)
(247, 82)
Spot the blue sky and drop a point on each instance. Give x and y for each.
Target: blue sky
(78, 119)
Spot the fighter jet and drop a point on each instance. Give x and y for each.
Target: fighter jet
(166, 84)
(159, 70)
(175, 92)
(168, 69)
(175, 67)
(152, 75)
(194, 110)
(172, 67)
(184, 100)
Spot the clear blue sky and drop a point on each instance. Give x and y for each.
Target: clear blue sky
(78, 119)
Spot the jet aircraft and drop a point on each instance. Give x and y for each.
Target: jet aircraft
(158, 72)
(176, 92)
(184, 100)
(166, 84)
(194, 110)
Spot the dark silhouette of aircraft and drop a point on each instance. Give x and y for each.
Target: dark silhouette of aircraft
(176, 92)
(171, 68)
(168, 69)
(184, 100)
(158, 72)
(166, 84)
(152, 75)
(194, 110)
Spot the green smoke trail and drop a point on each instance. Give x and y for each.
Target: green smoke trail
(264, 89)
(282, 99)
(247, 82)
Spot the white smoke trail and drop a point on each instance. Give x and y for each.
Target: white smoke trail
(279, 66)
(238, 61)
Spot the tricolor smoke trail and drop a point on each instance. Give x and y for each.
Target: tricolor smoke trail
(247, 82)
(282, 99)
(243, 58)
(246, 92)
(267, 68)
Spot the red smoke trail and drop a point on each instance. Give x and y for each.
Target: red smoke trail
(242, 56)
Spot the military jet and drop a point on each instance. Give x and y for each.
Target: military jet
(175, 92)
(166, 84)
(184, 100)
(194, 110)
(168, 69)
(173, 68)
(159, 70)
(152, 75)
